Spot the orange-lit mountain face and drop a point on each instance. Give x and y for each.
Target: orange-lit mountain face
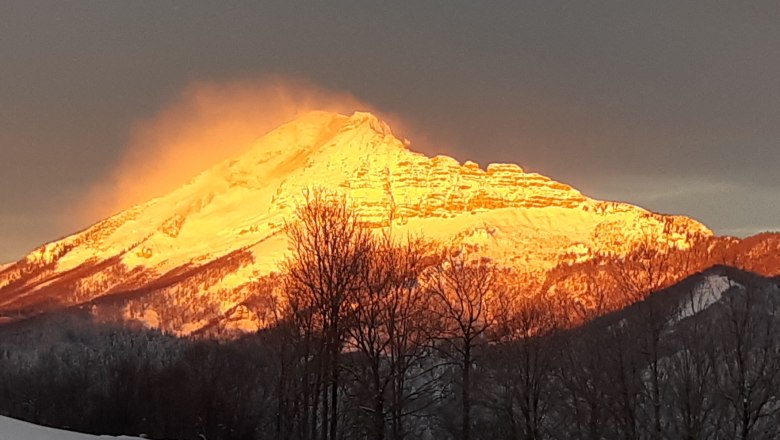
(203, 247)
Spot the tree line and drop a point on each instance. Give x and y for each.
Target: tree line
(380, 337)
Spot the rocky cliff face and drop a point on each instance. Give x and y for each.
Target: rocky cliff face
(206, 243)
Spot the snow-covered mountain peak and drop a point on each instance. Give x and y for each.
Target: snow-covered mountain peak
(231, 216)
(371, 121)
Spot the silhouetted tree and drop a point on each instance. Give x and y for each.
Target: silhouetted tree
(522, 361)
(462, 290)
(750, 365)
(323, 275)
(388, 332)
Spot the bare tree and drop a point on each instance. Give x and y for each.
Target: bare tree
(462, 290)
(749, 369)
(389, 332)
(644, 270)
(691, 370)
(640, 273)
(585, 391)
(322, 277)
(409, 328)
(522, 361)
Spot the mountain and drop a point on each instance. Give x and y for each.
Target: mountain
(206, 246)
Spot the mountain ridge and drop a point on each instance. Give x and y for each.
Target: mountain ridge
(520, 219)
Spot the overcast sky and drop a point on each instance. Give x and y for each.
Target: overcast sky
(667, 105)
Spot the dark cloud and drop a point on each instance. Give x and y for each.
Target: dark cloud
(641, 96)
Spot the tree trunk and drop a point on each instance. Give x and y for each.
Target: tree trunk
(379, 417)
(466, 392)
(397, 407)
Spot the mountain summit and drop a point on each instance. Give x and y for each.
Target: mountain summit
(209, 240)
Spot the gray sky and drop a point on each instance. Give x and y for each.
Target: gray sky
(669, 105)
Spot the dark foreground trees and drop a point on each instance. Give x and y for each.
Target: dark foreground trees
(388, 339)
(374, 338)
(462, 291)
(322, 280)
(362, 320)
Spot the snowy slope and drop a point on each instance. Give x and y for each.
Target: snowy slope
(708, 292)
(230, 217)
(12, 429)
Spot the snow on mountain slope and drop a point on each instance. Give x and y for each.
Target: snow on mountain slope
(708, 292)
(229, 219)
(12, 429)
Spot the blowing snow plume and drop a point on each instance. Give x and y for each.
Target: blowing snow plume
(207, 123)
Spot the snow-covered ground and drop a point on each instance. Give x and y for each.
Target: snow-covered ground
(12, 429)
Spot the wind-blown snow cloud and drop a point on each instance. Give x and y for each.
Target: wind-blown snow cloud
(207, 123)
